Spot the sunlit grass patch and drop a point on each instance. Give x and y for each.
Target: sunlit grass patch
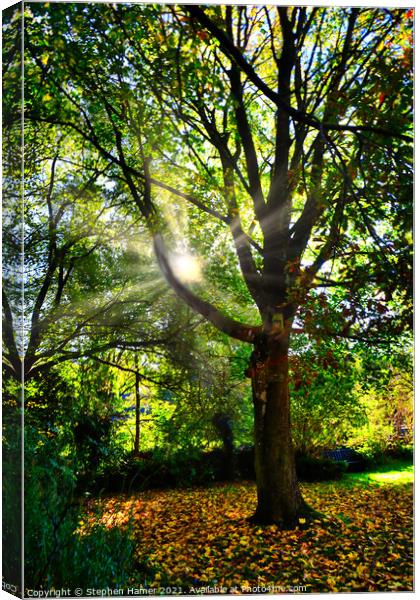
(394, 477)
(396, 473)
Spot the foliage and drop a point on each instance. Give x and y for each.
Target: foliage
(84, 260)
(389, 410)
(52, 519)
(201, 538)
(214, 384)
(347, 393)
(12, 470)
(184, 385)
(167, 469)
(325, 406)
(308, 467)
(223, 87)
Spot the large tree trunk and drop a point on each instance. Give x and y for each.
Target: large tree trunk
(279, 497)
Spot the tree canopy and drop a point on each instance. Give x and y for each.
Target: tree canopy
(222, 111)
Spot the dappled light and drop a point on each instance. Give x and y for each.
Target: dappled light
(201, 537)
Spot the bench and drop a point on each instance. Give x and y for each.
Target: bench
(355, 462)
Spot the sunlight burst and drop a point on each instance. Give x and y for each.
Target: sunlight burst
(187, 268)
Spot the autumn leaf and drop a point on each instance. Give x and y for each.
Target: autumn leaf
(194, 538)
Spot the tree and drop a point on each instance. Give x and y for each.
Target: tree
(85, 262)
(325, 405)
(290, 130)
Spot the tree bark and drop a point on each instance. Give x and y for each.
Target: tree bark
(279, 497)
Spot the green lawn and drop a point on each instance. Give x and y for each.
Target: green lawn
(394, 472)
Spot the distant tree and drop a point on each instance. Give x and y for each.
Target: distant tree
(89, 281)
(326, 408)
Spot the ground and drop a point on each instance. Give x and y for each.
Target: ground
(200, 537)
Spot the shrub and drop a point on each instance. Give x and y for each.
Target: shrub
(160, 469)
(56, 550)
(110, 563)
(388, 403)
(11, 483)
(319, 469)
(244, 462)
(308, 468)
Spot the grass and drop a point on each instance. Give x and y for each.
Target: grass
(393, 472)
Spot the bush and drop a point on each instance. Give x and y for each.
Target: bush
(11, 484)
(162, 470)
(388, 403)
(376, 456)
(325, 409)
(156, 470)
(319, 469)
(308, 468)
(57, 553)
(402, 452)
(244, 462)
(111, 558)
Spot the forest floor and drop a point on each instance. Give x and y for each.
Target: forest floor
(199, 540)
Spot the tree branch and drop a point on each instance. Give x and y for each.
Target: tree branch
(245, 333)
(232, 52)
